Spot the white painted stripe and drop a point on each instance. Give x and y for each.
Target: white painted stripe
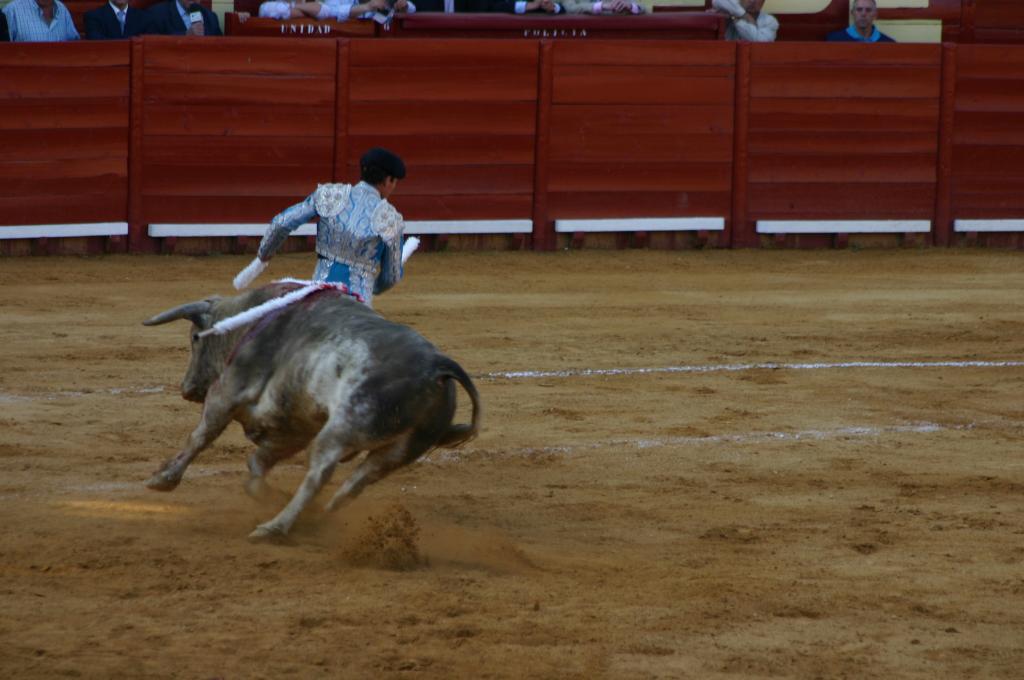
(643, 224)
(988, 225)
(469, 227)
(439, 456)
(187, 230)
(715, 368)
(843, 226)
(65, 230)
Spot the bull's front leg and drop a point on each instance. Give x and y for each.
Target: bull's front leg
(217, 415)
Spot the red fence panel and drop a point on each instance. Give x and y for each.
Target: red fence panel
(988, 135)
(998, 21)
(641, 129)
(843, 132)
(461, 113)
(234, 129)
(64, 133)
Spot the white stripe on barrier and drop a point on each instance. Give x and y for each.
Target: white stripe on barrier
(208, 230)
(843, 226)
(642, 224)
(469, 227)
(65, 230)
(988, 225)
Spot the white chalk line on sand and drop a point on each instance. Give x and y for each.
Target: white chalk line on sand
(587, 372)
(716, 368)
(443, 457)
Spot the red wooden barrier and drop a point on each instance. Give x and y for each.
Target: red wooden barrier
(997, 21)
(843, 132)
(296, 28)
(988, 137)
(63, 134)
(577, 26)
(235, 129)
(641, 129)
(461, 113)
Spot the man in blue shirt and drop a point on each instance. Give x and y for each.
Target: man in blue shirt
(39, 21)
(864, 13)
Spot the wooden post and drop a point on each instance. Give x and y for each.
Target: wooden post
(138, 240)
(942, 226)
(738, 233)
(543, 228)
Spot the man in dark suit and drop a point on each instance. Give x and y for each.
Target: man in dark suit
(4, 35)
(116, 20)
(183, 17)
(448, 6)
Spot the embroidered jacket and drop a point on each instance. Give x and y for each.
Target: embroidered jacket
(358, 237)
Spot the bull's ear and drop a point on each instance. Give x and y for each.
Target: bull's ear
(193, 311)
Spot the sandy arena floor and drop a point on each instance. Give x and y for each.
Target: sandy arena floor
(812, 520)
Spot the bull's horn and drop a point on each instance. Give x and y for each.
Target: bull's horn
(189, 310)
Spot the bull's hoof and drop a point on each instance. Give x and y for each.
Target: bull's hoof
(162, 481)
(266, 533)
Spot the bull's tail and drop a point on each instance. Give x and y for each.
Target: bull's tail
(458, 434)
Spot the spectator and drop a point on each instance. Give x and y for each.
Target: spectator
(4, 35)
(748, 22)
(183, 17)
(448, 6)
(863, 29)
(602, 7)
(523, 6)
(39, 21)
(338, 10)
(116, 20)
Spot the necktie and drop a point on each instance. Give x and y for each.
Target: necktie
(449, 6)
(120, 19)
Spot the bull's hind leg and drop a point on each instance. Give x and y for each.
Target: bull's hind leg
(377, 465)
(328, 449)
(217, 415)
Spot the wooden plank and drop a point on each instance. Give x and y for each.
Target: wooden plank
(64, 55)
(856, 82)
(868, 144)
(462, 83)
(643, 53)
(428, 53)
(989, 185)
(196, 179)
(583, 205)
(237, 150)
(426, 179)
(628, 85)
(989, 127)
(841, 55)
(66, 113)
(820, 169)
(448, 149)
(838, 115)
(31, 189)
(51, 174)
(645, 148)
(268, 56)
(990, 95)
(989, 62)
(245, 120)
(641, 176)
(28, 81)
(440, 118)
(988, 160)
(28, 145)
(191, 88)
(885, 200)
(602, 119)
(109, 206)
(465, 207)
(185, 209)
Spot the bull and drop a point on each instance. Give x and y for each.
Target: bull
(326, 373)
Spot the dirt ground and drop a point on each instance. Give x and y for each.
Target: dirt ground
(702, 520)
